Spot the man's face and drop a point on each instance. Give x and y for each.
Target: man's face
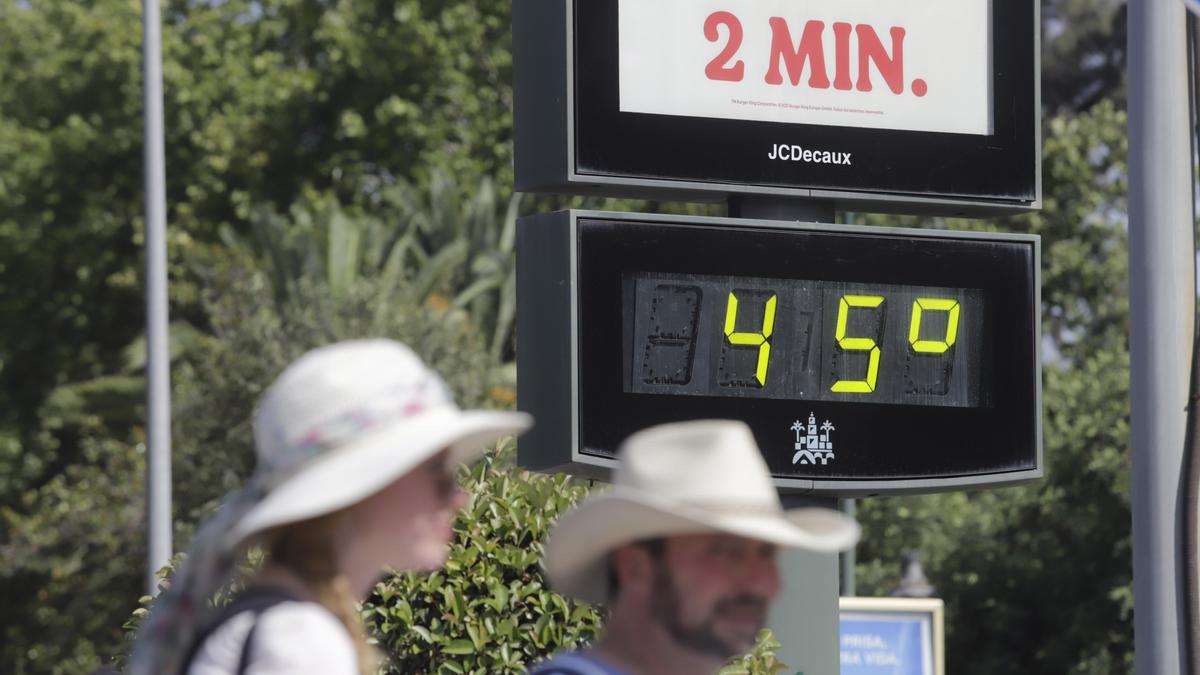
(711, 591)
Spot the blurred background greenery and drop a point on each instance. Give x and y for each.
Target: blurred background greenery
(341, 168)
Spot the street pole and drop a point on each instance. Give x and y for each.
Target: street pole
(805, 616)
(158, 374)
(1162, 297)
(849, 558)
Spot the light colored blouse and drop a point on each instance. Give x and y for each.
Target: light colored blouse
(292, 638)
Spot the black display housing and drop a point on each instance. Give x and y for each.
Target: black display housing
(573, 338)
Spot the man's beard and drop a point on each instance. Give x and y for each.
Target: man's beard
(665, 605)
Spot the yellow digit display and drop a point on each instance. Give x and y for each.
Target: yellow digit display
(867, 385)
(921, 305)
(796, 339)
(762, 339)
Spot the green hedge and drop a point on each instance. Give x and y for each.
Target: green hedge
(489, 610)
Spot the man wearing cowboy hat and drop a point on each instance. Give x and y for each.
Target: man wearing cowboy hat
(682, 551)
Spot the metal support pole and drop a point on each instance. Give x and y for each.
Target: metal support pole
(1162, 305)
(767, 208)
(849, 558)
(805, 617)
(158, 373)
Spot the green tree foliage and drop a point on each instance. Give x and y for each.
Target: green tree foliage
(70, 147)
(324, 276)
(1083, 53)
(72, 555)
(268, 103)
(1037, 579)
(265, 99)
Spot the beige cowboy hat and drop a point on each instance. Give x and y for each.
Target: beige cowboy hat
(346, 420)
(681, 478)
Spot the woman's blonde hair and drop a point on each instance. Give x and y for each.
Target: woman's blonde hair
(308, 549)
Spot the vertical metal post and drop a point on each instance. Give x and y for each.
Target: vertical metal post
(1162, 306)
(849, 558)
(781, 208)
(805, 617)
(158, 374)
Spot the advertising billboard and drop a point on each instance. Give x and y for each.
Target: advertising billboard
(928, 106)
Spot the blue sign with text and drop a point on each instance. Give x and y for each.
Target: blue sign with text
(895, 644)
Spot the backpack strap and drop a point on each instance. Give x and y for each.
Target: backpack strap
(256, 600)
(247, 647)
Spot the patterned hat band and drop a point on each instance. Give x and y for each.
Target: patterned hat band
(387, 407)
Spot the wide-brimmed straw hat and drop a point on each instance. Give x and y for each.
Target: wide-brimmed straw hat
(682, 478)
(346, 420)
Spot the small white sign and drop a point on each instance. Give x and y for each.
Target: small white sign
(918, 65)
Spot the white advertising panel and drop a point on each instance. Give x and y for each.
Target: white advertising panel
(917, 65)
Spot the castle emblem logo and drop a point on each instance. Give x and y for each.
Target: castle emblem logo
(811, 447)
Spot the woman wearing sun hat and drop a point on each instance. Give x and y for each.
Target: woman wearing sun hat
(357, 446)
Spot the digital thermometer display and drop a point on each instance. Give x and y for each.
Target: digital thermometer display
(865, 360)
(805, 340)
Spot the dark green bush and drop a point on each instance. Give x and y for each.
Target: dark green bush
(489, 610)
